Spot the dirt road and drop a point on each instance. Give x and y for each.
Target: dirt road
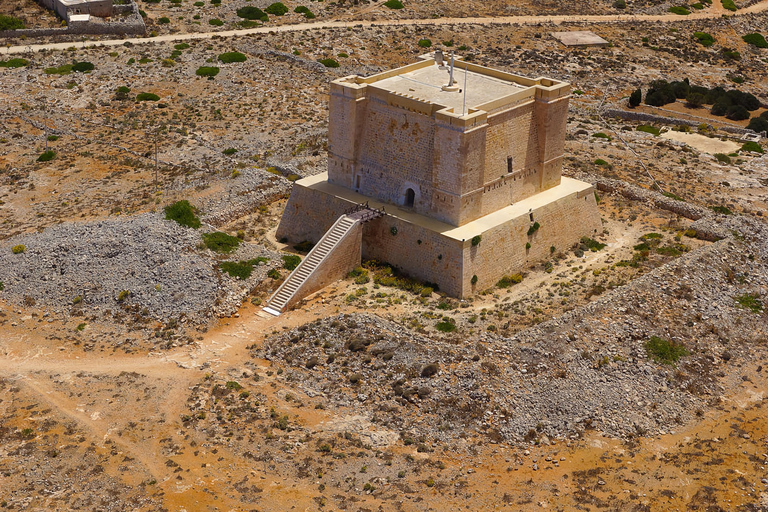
(716, 11)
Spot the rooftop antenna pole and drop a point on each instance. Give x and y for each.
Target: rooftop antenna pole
(450, 78)
(464, 106)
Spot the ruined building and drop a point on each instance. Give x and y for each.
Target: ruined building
(465, 162)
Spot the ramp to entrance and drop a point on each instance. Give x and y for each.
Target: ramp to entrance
(337, 252)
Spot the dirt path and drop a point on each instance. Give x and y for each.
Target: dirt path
(716, 11)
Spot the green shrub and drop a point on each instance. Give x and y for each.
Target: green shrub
(302, 9)
(601, 135)
(648, 129)
(731, 54)
(147, 96)
(720, 157)
(122, 92)
(329, 63)
(163, 21)
(476, 240)
(252, 13)
(10, 23)
(446, 325)
(47, 156)
(758, 124)
(722, 210)
(534, 228)
(677, 9)
(208, 71)
(592, 245)
(14, 63)
(64, 69)
(237, 269)
(620, 4)
(291, 261)
(600, 161)
(728, 4)
(123, 295)
(18, 249)
(233, 385)
(181, 46)
(664, 351)
(424, 43)
(221, 242)
(752, 146)
(635, 98)
(755, 39)
(704, 38)
(216, 22)
(507, 281)
(230, 57)
(229, 151)
(750, 301)
(182, 213)
(660, 93)
(83, 67)
(276, 9)
(394, 4)
(274, 273)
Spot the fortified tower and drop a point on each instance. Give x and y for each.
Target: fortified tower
(454, 152)
(466, 162)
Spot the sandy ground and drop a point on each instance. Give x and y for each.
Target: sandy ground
(703, 143)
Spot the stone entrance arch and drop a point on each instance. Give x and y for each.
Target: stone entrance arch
(410, 197)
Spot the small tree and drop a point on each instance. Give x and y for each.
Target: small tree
(694, 100)
(635, 98)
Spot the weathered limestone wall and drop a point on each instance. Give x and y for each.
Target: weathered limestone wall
(502, 249)
(395, 154)
(419, 252)
(309, 214)
(431, 257)
(381, 145)
(345, 257)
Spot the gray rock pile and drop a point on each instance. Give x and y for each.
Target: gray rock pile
(113, 264)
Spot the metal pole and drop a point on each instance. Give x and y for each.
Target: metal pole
(464, 105)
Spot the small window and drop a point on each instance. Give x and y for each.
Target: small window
(509, 165)
(357, 182)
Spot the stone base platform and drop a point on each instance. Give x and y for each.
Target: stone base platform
(436, 252)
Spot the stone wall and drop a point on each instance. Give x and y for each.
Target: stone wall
(397, 149)
(132, 24)
(336, 265)
(419, 252)
(309, 214)
(428, 256)
(502, 249)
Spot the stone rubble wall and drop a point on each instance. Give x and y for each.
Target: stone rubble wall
(653, 118)
(132, 24)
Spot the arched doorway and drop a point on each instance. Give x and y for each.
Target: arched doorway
(410, 196)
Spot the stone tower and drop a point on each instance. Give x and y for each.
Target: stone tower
(478, 156)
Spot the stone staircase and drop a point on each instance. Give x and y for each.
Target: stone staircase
(285, 295)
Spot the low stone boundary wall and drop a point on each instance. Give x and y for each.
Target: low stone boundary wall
(642, 116)
(133, 24)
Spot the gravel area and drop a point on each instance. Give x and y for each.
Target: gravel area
(90, 264)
